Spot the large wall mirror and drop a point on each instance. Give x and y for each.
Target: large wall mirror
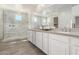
(56, 22)
(77, 22)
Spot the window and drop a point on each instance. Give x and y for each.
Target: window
(18, 18)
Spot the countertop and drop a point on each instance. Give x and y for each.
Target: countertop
(73, 34)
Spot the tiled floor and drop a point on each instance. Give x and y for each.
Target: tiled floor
(21, 47)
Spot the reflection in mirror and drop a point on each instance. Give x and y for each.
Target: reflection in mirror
(77, 22)
(56, 22)
(35, 19)
(44, 21)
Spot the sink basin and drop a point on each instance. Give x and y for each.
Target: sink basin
(46, 29)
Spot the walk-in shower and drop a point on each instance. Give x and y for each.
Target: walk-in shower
(13, 25)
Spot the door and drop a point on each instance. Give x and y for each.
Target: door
(50, 46)
(15, 25)
(39, 39)
(45, 42)
(74, 46)
(58, 48)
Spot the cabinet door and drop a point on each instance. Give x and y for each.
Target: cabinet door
(34, 37)
(74, 50)
(39, 39)
(45, 42)
(58, 48)
(30, 36)
(50, 46)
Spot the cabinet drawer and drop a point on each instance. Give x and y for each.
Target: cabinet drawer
(45, 43)
(75, 41)
(59, 37)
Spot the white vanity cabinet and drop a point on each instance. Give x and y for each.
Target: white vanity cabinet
(34, 37)
(39, 40)
(74, 49)
(60, 48)
(45, 42)
(54, 44)
(58, 45)
(30, 36)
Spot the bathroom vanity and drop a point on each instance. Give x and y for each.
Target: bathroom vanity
(55, 42)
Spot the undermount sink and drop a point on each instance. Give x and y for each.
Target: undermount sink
(47, 28)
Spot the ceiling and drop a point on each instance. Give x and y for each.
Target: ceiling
(30, 7)
(39, 8)
(47, 8)
(35, 8)
(57, 8)
(61, 7)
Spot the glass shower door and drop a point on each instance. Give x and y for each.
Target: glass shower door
(1, 25)
(15, 25)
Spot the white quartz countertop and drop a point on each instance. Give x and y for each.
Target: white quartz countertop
(73, 34)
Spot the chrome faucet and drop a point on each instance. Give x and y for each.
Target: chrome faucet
(65, 29)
